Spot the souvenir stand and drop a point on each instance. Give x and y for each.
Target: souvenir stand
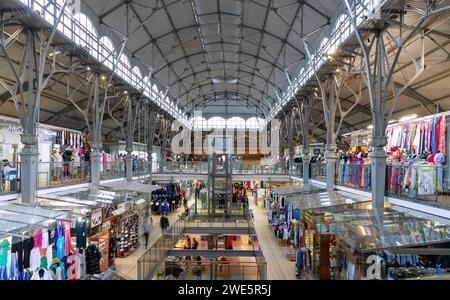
(390, 243)
(132, 215)
(314, 239)
(36, 244)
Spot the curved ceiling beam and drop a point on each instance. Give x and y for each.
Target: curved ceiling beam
(205, 99)
(241, 84)
(227, 69)
(212, 100)
(202, 53)
(155, 39)
(224, 95)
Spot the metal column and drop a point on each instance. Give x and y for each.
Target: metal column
(95, 143)
(379, 130)
(29, 154)
(151, 134)
(290, 127)
(330, 151)
(129, 145)
(305, 128)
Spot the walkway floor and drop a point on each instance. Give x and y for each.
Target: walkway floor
(279, 267)
(128, 266)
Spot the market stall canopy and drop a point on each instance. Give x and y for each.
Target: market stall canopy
(31, 210)
(389, 228)
(90, 198)
(15, 218)
(131, 186)
(324, 200)
(288, 190)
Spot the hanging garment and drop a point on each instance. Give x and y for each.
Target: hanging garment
(93, 257)
(438, 133)
(68, 247)
(298, 260)
(28, 245)
(81, 233)
(49, 255)
(37, 237)
(60, 247)
(443, 136)
(35, 258)
(428, 136)
(14, 266)
(45, 238)
(82, 259)
(433, 135)
(4, 246)
(17, 247)
(361, 173)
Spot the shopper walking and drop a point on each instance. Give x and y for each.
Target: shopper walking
(148, 225)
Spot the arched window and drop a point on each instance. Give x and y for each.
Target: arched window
(200, 123)
(155, 91)
(252, 123)
(44, 9)
(136, 77)
(65, 25)
(106, 51)
(301, 76)
(324, 46)
(124, 67)
(341, 30)
(85, 33)
(236, 122)
(216, 122)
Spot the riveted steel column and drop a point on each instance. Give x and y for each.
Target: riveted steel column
(305, 156)
(29, 154)
(129, 145)
(290, 137)
(379, 133)
(330, 151)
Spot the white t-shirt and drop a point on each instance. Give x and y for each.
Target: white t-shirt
(44, 238)
(35, 258)
(49, 254)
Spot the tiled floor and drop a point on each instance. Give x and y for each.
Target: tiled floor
(128, 266)
(278, 265)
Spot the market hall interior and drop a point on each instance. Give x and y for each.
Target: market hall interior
(224, 140)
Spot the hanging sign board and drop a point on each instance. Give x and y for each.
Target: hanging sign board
(96, 217)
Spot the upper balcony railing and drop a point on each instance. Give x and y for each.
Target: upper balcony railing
(102, 52)
(343, 29)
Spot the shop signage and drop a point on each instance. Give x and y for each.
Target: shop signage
(96, 217)
(118, 211)
(106, 225)
(140, 201)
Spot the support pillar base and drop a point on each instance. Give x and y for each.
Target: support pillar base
(29, 168)
(305, 159)
(378, 157)
(330, 157)
(96, 160)
(129, 166)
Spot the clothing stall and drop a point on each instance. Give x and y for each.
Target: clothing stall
(132, 214)
(311, 236)
(36, 244)
(390, 243)
(99, 215)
